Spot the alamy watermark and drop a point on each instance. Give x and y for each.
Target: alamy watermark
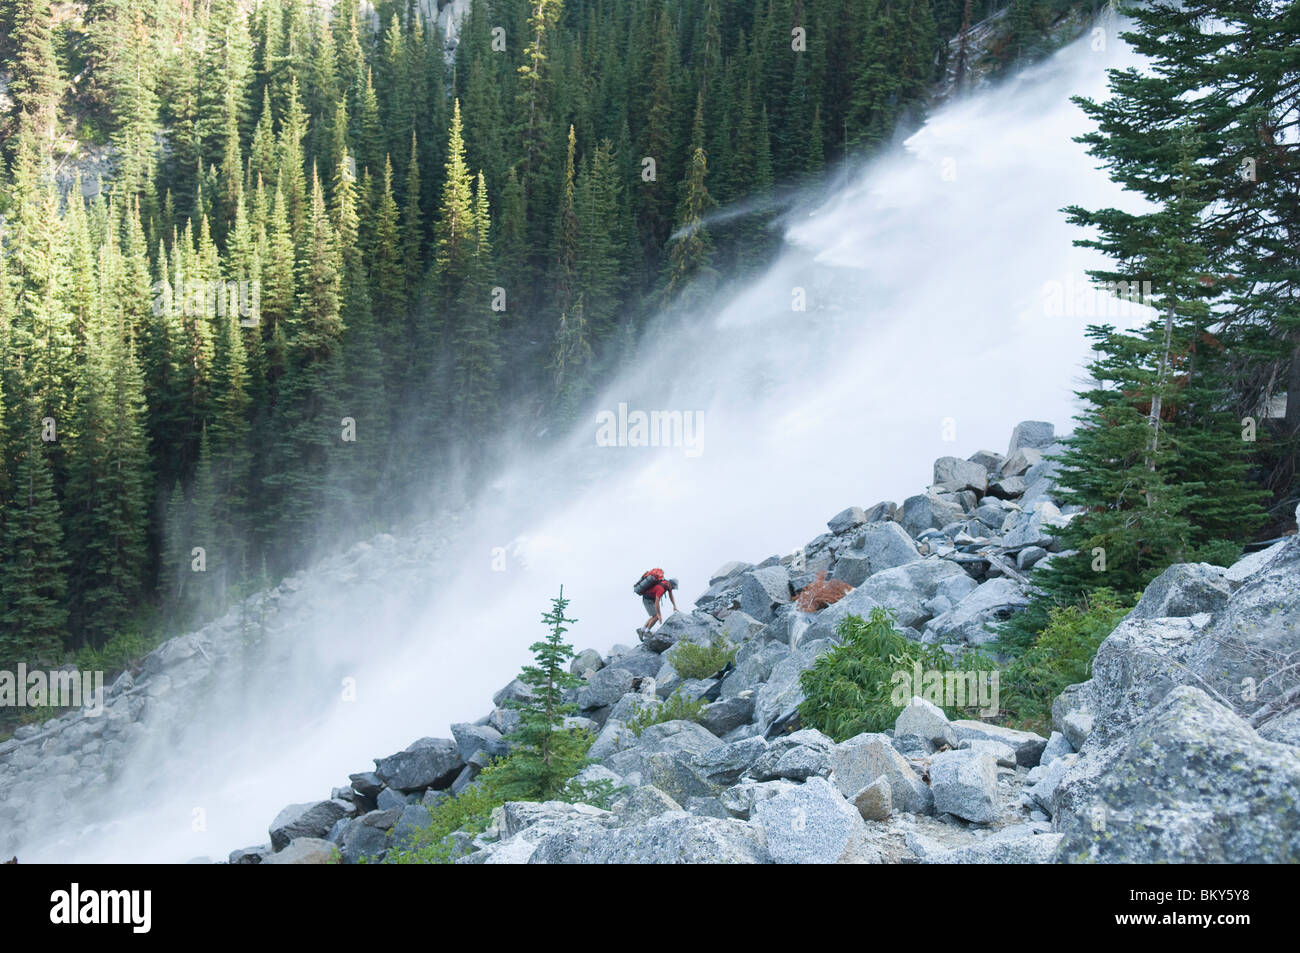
(209, 299)
(57, 689)
(947, 689)
(655, 428)
(1079, 298)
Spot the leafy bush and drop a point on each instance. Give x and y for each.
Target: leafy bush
(1061, 656)
(692, 660)
(851, 688)
(674, 708)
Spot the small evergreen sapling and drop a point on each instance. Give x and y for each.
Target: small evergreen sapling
(548, 754)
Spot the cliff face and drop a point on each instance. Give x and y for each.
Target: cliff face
(1181, 748)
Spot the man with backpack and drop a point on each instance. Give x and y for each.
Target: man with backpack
(651, 587)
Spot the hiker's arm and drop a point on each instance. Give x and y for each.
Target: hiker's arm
(673, 597)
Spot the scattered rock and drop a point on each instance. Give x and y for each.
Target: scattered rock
(814, 824)
(965, 784)
(427, 763)
(875, 802)
(310, 820)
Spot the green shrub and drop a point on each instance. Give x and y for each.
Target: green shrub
(692, 660)
(674, 708)
(852, 688)
(119, 653)
(1061, 656)
(541, 767)
(468, 811)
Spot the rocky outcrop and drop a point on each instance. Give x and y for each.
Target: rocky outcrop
(1181, 747)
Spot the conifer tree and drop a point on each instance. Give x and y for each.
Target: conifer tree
(548, 754)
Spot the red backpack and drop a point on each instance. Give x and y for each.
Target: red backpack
(647, 581)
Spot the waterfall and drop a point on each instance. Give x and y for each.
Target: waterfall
(943, 302)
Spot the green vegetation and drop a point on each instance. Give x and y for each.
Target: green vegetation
(674, 708)
(692, 660)
(1174, 458)
(220, 348)
(1061, 656)
(852, 688)
(542, 762)
(547, 754)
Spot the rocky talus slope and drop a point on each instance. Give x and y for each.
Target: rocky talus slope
(1183, 746)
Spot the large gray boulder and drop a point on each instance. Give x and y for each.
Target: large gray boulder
(741, 798)
(367, 836)
(726, 571)
(696, 626)
(905, 589)
(814, 824)
(993, 601)
(885, 545)
(676, 738)
(1031, 433)
(1018, 463)
(739, 627)
(640, 661)
(1255, 635)
(725, 763)
(472, 740)
(990, 461)
(953, 473)
(643, 803)
(862, 759)
(1192, 783)
(781, 692)
(929, 511)
(676, 775)
(1183, 589)
(846, 520)
(795, 757)
(728, 714)
(516, 691)
(1251, 563)
(605, 687)
(588, 660)
(1028, 746)
(927, 721)
(675, 837)
(313, 819)
(853, 568)
(427, 763)
(1135, 667)
(754, 663)
(763, 591)
(305, 850)
(1005, 847)
(965, 784)
(875, 802)
(824, 623)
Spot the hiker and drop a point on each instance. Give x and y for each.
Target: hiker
(651, 588)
